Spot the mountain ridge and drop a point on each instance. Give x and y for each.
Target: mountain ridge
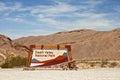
(86, 43)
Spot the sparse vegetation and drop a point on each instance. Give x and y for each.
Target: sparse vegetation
(104, 63)
(98, 64)
(14, 62)
(113, 64)
(92, 64)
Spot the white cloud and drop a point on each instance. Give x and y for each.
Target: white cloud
(2, 6)
(90, 21)
(22, 21)
(14, 19)
(93, 2)
(52, 10)
(60, 8)
(75, 17)
(83, 19)
(13, 7)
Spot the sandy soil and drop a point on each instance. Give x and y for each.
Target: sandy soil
(84, 74)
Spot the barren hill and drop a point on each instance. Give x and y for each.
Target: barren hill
(86, 44)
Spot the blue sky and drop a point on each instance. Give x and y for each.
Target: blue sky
(21, 18)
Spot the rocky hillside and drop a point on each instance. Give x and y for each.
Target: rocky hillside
(86, 44)
(8, 49)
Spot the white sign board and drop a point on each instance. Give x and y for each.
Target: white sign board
(48, 57)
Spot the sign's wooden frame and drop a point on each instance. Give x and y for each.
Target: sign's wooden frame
(48, 46)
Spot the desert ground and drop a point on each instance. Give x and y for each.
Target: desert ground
(82, 74)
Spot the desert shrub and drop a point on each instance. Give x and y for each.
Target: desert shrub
(113, 64)
(6, 65)
(92, 64)
(104, 63)
(14, 62)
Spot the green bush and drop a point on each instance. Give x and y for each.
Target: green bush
(14, 62)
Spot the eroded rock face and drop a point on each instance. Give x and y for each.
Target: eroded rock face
(7, 48)
(4, 40)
